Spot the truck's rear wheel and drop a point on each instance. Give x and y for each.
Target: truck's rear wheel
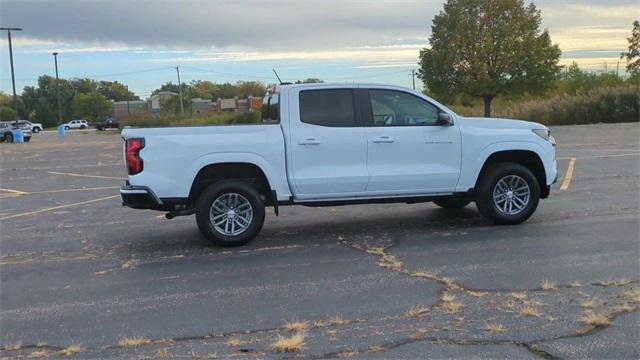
(230, 213)
(452, 202)
(507, 193)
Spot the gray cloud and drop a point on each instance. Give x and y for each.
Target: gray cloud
(287, 25)
(257, 25)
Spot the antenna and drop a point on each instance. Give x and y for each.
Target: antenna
(280, 81)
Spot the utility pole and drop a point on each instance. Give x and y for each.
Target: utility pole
(180, 92)
(128, 107)
(55, 59)
(13, 76)
(413, 78)
(617, 68)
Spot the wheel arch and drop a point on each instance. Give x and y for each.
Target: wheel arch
(242, 171)
(527, 158)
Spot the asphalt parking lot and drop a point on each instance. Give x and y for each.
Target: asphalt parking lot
(83, 276)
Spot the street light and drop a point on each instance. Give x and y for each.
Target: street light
(13, 76)
(55, 59)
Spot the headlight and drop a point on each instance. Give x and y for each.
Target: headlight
(545, 134)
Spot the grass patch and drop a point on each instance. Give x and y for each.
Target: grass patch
(547, 285)
(347, 354)
(133, 342)
(530, 311)
(417, 311)
(13, 347)
(235, 342)
(495, 328)
(593, 319)
(72, 350)
(576, 284)
(376, 349)
(296, 326)
(589, 304)
(289, 344)
(519, 295)
(477, 294)
(632, 296)
(38, 354)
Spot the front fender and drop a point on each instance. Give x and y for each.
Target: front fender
(472, 165)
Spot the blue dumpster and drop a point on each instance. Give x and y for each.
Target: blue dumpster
(61, 131)
(18, 136)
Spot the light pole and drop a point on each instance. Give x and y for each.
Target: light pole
(55, 59)
(13, 76)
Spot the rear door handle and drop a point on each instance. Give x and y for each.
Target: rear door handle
(383, 139)
(309, 141)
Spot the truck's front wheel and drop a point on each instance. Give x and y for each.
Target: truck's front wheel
(230, 213)
(508, 193)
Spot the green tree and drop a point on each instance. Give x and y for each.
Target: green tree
(116, 91)
(92, 106)
(309, 81)
(7, 113)
(485, 48)
(633, 54)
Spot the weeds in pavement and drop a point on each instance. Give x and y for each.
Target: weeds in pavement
(547, 285)
(531, 311)
(38, 354)
(417, 311)
(13, 347)
(296, 326)
(133, 342)
(72, 350)
(376, 349)
(235, 342)
(495, 328)
(519, 295)
(589, 304)
(289, 344)
(593, 319)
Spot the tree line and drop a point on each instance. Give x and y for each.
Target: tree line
(92, 100)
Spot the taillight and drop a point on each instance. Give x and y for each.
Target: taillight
(132, 151)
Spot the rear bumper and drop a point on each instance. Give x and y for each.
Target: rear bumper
(140, 197)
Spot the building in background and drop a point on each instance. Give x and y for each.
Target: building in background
(157, 99)
(200, 107)
(124, 108)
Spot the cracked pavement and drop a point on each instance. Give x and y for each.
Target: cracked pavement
(367, 281)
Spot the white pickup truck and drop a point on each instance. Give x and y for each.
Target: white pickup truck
(324, 144)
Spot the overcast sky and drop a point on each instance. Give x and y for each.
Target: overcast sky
(137, 42)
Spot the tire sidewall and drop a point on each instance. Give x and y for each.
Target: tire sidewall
(217, 189)
(485, 202)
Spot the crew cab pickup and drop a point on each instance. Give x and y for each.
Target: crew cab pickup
(328, 144)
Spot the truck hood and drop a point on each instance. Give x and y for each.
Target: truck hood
(498, 123)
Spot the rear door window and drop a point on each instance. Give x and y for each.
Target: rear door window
(332, 108)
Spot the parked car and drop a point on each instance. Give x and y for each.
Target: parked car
(327, 145)
(7, 129)
(34, 127)
(109, 123)
(76, 124)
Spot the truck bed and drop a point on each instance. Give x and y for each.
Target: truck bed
(173, 155)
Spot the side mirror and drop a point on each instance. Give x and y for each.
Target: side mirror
(444, 119)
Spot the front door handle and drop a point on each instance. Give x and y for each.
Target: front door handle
(383, 139)
(309, 141)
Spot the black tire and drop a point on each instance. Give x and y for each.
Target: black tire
(8, 138)
(66, 128)
(36, 130)
(82, 126)
(215, 190)
(487, 183)
(452, 202)
(27, 139)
